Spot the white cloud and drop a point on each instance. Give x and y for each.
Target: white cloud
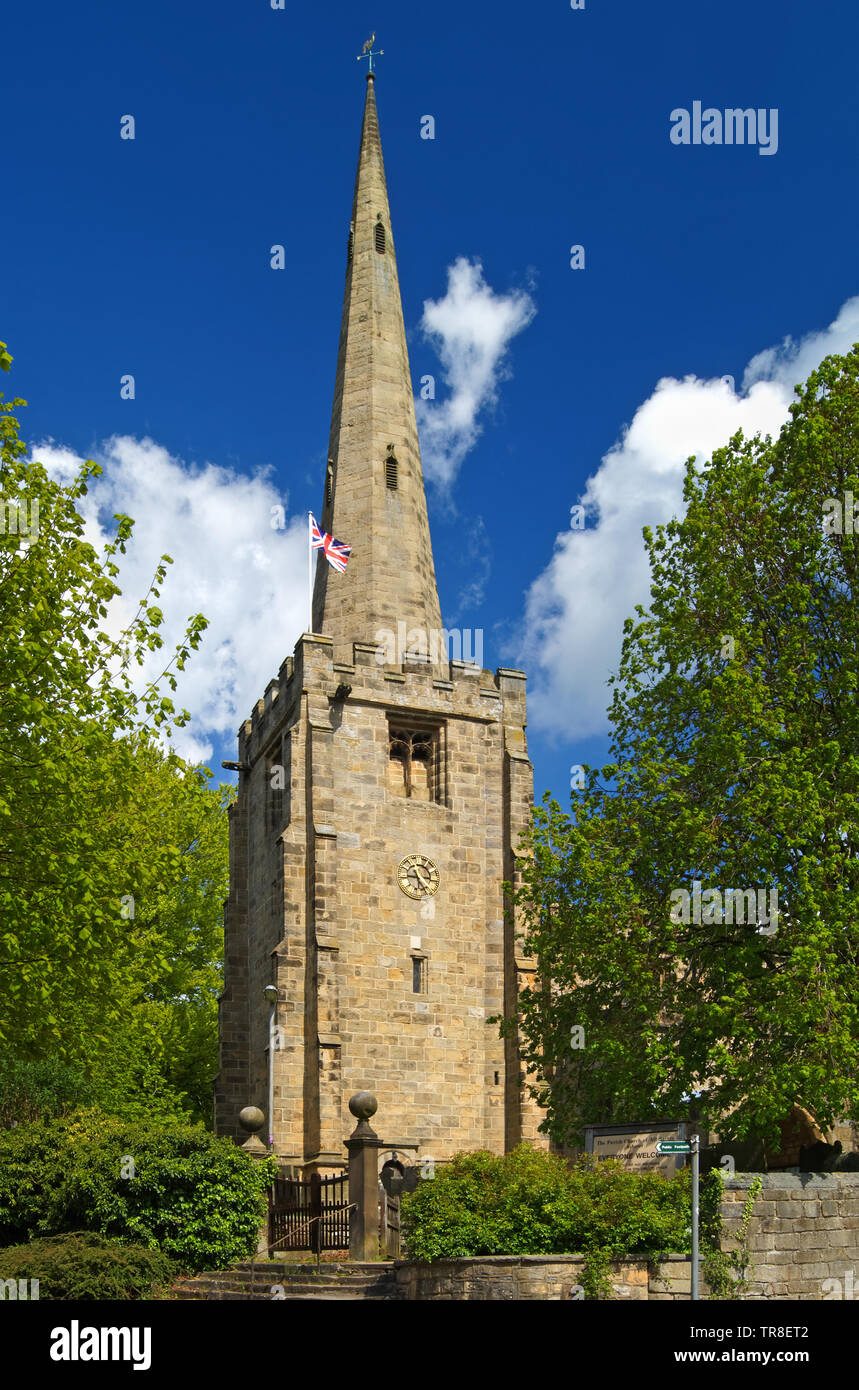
(248, 579)
(471, 329)
(571, 633)
(791, 362)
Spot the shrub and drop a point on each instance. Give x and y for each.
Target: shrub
(172, 1187)
(533, 1203)
(37, 1090)
(127, 1080)
(82, 1265)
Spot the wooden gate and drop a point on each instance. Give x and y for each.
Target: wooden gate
(308, 1213)
(389, 1224)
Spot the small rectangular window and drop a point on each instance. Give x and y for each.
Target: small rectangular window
(419, 975)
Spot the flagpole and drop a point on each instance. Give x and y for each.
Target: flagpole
(310, 572)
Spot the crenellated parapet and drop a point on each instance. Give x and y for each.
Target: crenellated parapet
(415, 684)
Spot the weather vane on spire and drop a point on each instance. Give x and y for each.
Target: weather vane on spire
(367, 51)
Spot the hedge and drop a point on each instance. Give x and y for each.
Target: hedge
(165, 1186)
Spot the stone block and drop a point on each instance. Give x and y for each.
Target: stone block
(836, 1237)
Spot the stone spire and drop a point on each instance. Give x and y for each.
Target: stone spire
(374, 492)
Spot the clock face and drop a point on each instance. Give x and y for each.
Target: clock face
(418, 876)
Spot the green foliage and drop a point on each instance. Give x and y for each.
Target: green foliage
(40, 1090)
(710, 1191)
(113, 852)
(197, 1198)
(532, 1203)
(181, 1003)
(726, 1270)
(734, 764)
(83, 787)
(150, 1048)
(158, 1058)
(82, 1265)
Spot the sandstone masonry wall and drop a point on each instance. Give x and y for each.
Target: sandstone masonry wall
(804, 1233)
(552, 1278)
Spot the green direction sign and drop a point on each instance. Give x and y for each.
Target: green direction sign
(674, 1146)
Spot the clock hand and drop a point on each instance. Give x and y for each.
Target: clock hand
(419, 875)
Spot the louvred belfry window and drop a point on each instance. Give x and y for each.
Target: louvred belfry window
(412, 759)
(380, 238)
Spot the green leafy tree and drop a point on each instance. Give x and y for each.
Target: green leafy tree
(160, 1055)
(190, 923)
(85, 804)
(735, 763)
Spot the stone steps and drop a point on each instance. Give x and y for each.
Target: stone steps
(334, 1282)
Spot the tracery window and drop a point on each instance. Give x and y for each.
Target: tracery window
(413, 763)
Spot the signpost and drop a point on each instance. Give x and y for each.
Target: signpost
(635, 1145)
(682, 1146)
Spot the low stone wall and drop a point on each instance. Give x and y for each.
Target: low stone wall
(803, 1240)
(545, 1277)
(803, 1243)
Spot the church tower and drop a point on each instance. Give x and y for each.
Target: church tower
(383, 784)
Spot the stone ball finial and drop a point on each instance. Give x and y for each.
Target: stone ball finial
(251, 1118)
(363, 1104)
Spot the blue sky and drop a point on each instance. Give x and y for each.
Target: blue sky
(552, 125)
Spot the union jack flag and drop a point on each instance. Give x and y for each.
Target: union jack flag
(336, 552)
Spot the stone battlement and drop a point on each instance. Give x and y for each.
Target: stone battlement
(439, 689)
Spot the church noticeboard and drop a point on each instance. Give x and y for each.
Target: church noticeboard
(635, 1145)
